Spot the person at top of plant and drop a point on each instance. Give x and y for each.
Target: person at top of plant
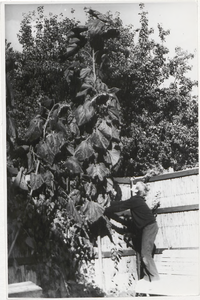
(145, 221)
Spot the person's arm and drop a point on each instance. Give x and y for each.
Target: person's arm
(118, 206)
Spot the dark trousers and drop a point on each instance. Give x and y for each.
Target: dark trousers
(148, 237)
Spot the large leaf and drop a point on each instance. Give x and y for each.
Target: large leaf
(84, 151)
(84, 113)
(98, 171)
(113, 113)
(36, 181)
(105, 129)
(35, 130)
(85, 72)
(114, 156)
(99, 140)
(48, 179)
(73, 165)
(47, 149)
(93, 211)
(72, 211)
(95, 27)
(98, 15)
(20, 180)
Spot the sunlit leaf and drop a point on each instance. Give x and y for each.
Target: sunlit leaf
(20, 180)
(84, 113)
(84, 151)
(36, 181)
(73, 165)
(47, 149)
(95, 27)
(93, 211)
(114, 155)
(105, 129)
(99, 140)
(85, 72)
(98, 15)
(98, 171)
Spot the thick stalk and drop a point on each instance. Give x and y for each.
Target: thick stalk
(93, 63)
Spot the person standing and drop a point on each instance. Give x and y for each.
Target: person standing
(144, 221)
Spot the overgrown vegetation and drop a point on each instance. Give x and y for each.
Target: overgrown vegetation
(67, 135)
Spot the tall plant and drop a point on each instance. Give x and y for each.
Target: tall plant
(60, 176)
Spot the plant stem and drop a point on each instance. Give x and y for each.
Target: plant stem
(93, 63)
(47, 120)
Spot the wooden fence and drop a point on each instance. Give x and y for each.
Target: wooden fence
(178, 221)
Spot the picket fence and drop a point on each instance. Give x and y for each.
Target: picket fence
(178, 222)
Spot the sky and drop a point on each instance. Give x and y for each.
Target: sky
(180, 17)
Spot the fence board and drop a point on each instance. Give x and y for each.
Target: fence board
(177, 218)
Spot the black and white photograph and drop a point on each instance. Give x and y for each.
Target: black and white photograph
(99, 133)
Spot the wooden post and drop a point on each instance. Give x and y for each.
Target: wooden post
(101, 273)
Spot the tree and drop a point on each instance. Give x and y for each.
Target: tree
(156, 100)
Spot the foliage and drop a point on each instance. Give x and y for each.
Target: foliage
(60, 169)
(159, 113)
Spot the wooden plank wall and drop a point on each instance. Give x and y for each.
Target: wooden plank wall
(178, 221)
